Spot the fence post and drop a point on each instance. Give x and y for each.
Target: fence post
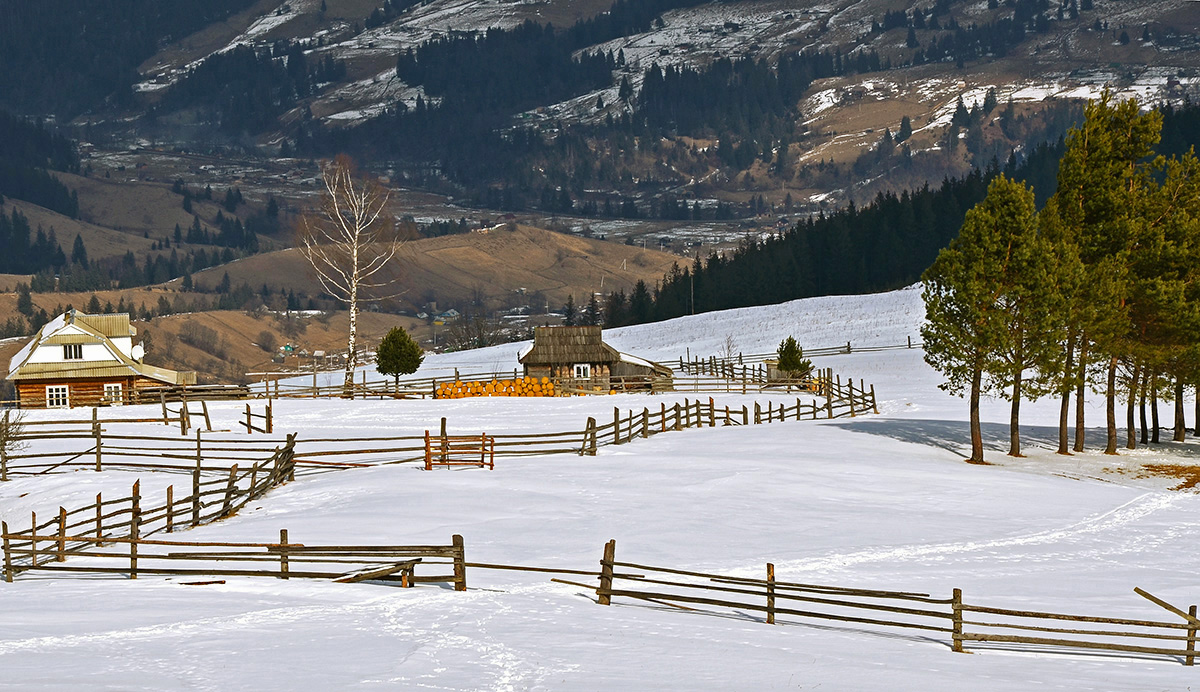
(910, 340)
(847, 347)
(229, 488)
(8, 568)
(162, 399)
(249, 423)
(96, 434)
(606, 572)
(645, 422)
(135, 528)
(770, 593)
(874, 404)
(460, 563)
(956, 606)
(283, 555)
(33, 539)
(445, 442)
(4, 449)
(270, 417)
(1191, 642)
(712, 413)
(99, 520)
(62, 535)
(196, 485)
(662, 421)
(207, 420)
(170, 509)
(757, 413)
(616, 425)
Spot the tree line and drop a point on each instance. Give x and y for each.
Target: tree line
(1098, 290)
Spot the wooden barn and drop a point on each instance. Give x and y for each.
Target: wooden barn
(86, 360)
(579, 355)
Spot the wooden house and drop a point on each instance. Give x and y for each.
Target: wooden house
(86, 360)
(578, 356)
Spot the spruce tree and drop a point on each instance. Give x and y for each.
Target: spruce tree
(398, 354)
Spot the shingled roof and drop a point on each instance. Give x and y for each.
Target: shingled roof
(565, 345)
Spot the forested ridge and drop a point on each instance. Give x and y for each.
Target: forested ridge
(884, 245)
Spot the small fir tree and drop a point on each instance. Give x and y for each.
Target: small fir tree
(398, 354)
(791, 358)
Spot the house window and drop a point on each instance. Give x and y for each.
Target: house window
(72, 351)
(57, 396)
(583, 371)
(113, 394)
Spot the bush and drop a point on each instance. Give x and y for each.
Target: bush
(266, 341)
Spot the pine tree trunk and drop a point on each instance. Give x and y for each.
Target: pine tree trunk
(1131, 435)
(1110, 407)
(1142, 405)
(1064, 410)
(1079, 387)
(976, 432)
(1180, 423)
(1154, 408)
(1014, 419)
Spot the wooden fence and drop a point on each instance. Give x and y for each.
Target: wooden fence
(93, 525)
(267, 417)
(138, 555)
(951, 618)
(460, 450)
(716, 365)
(96, 448)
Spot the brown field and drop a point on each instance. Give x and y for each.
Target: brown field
(493, 266)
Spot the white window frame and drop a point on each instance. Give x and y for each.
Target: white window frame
(58, 396)
(72, 351)
(114, 393)
(582, 371)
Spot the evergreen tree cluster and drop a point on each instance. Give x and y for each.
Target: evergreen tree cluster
(65, 56)
(1100, 288)
(247, 88)
(27, 251)
(27, 151)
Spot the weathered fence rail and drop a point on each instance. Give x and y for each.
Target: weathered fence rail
(950, 617)
(138, 555)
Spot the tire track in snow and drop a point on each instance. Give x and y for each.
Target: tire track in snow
(1137, 508)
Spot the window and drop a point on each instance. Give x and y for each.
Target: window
(57, 396)
(583, 371)
(72, 351)
(113, 395)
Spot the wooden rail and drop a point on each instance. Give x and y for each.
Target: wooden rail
(460, 450)
(690, 590)
(138, 555)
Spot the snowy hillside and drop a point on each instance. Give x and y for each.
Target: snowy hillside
(877, 502)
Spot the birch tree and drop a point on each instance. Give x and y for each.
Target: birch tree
(348, 240)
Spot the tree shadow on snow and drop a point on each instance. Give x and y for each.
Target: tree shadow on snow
(954, 436)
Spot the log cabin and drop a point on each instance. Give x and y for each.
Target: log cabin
(86, 360)
(578, 357)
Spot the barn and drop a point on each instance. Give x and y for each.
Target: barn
(579, 356)
(86, 360)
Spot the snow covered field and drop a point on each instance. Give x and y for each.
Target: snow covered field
(877, 501)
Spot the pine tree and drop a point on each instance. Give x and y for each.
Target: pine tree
(79, 252)
(1028, 298)
(591, 313)
(905, 130)
(791, 358)
(398, 354)
(965, 324)
(569, 311)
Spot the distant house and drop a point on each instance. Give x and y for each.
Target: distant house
(580, 354)
(86, 360)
